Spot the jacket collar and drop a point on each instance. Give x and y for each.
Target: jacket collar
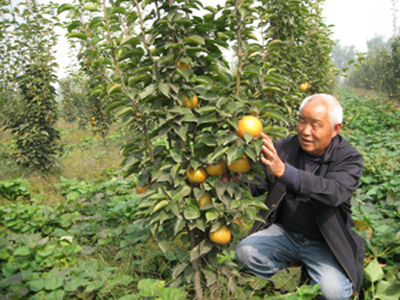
(328, 156)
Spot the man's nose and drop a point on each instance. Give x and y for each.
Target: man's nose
(306, 129)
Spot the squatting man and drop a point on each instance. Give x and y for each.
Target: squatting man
(310, 178)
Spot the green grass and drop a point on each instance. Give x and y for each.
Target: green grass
(84, 158)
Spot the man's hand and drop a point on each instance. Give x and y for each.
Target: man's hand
(275, 166)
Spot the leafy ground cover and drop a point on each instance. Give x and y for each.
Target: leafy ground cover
(87, 244)
(373, 127)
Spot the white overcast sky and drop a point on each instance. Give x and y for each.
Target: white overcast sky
(355, 22)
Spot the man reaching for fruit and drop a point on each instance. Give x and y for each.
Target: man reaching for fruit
(310, 178)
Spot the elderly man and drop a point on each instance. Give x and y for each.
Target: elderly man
(310, 178)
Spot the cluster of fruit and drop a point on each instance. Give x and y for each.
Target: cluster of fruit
(249, 124)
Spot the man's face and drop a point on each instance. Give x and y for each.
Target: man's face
(314, 130)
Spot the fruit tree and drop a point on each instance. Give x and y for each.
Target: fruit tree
(163, 61)
(28, 78)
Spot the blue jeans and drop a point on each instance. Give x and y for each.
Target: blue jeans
(270, 250)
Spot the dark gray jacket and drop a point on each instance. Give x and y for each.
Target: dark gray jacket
(329, 189)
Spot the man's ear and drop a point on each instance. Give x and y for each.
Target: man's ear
(336, 129)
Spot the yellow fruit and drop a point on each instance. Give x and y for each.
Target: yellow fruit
(241, 165)
(249, 124)
(189, 102)
(217, 168)
(142, 189)
(304, 86)
(206, 198)
(182, 65)
(221, 236)
(196, 176)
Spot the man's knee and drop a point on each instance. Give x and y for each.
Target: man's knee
(243, 251)
(336, 290)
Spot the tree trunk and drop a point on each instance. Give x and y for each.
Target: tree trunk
(196, 268)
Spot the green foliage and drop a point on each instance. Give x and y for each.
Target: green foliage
(372, 126)
(150, 288)
(14, 189)
(44, 249)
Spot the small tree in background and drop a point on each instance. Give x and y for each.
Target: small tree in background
(33, 113)
(74, 106)
(379, 70)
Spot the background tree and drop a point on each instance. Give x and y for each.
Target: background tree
(33, 113)
(7, 60)
(341, 55)
(303, 55)
(378, 70)
(378, 43)
(75, 107)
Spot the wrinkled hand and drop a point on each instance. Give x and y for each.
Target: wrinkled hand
(275, 166)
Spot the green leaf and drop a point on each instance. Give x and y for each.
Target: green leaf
(55, 295)
(275, 114)
(373, 272)
(387, 291)
(218, 153)
(64, 7)
(212, 214)
(73, 284)
(118, 10)
(131, 53)
(126, 111)
(54, 283)
(94, 286)
(288, 278)
(274, 44)
(211, 9)
(185, 22)
(114, 88)
(130, 40)
(160, 205)
(73, 25)
(150, 89)
(22, 251)
(195, 39)
(191, 212)
(113, 106)
(91, 7)
(134, 79)
(181, 130)
(164, 88)
(37, 285)
(179, 269)
(179, 224)
(78, 35)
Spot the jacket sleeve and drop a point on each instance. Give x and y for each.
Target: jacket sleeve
(337, 186)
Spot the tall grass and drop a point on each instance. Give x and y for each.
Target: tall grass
(84, 158)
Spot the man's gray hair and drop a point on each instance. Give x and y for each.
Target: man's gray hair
(335, 109)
